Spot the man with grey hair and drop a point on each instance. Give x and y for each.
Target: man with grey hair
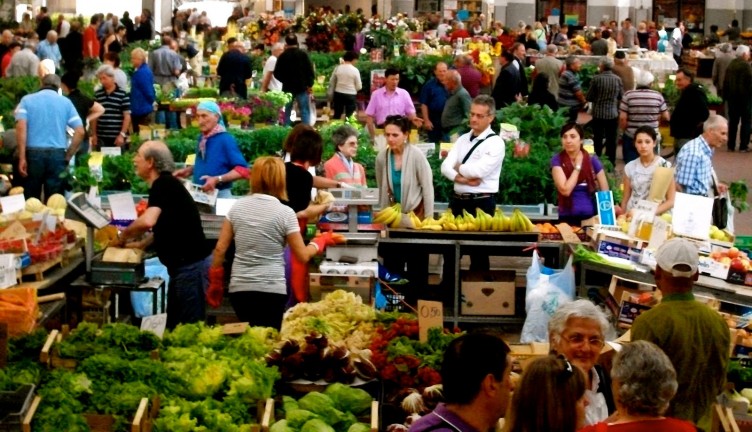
(578, 331)
(738, 95)
(269, 82)
(457, 106)
(42, 139)
(692, 335)
(694, 162)
(605, 93)
(723, 57)
(49, 49)
(5, 39)
(111, 128)
(24, 62)
(173, 218)
(599, 46)
(550, 66)
(570, 90)
(640, 107)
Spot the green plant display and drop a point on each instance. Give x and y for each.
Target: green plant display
(11, 92)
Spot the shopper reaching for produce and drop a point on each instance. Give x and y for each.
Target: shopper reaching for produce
(218, 158)
(261, 226)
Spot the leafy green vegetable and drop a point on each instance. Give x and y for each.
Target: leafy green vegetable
(281, 426)
(738, 192)
(289, 403)
(359, 427)
(349, 399)
(316, 425)
(298, 417)
(322, 405)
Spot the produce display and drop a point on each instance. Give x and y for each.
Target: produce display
(337, 409)
(206, 380)
(481, 221)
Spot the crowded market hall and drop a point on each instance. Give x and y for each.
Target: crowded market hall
(294, 216)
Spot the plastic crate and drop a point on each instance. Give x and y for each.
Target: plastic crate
(13, 407)
(744, 243)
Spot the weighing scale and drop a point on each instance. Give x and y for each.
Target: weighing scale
(361, 246)
(98, 271)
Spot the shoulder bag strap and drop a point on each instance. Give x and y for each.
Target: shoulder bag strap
(477, 143)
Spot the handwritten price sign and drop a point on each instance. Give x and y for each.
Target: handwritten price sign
(430, 314)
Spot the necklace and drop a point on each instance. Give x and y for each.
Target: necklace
(648, 163)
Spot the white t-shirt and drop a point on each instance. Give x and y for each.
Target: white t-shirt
(261, 225)
(274, 83)
(641, 177)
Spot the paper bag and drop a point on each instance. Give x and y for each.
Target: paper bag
(661, 180)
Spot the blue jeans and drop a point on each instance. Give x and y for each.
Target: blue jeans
(224, 193)
(304, 107)
(44, 166)
(186, 293)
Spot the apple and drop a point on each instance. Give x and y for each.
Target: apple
(733, 252)
(738, 265)
(725, 260)
(715, 255)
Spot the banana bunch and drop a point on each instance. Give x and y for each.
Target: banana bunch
(432, 224)
(520, 223)
(390, 216)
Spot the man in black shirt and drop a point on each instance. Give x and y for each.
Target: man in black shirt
(178, 236)
(87, 108)
(691, 109)
(233, 69)
(295, 71)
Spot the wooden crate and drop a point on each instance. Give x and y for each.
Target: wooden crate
(143, 418)
(38, 269)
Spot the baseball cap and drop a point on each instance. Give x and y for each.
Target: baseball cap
(678, 257)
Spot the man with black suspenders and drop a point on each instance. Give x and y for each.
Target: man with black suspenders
(474, 164)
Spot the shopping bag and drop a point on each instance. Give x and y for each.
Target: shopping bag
(546, 290)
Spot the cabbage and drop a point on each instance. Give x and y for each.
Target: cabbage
(281, 426)
(359, 427)
(322, 405)
(298, 417)
(346, 398)
(348, 420)
(316, 425)
(289, 404)
(747, 393)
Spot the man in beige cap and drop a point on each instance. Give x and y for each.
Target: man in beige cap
(693, 335)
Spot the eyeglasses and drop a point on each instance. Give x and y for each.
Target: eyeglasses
(568, 369)
(579, 340)
(472, 114)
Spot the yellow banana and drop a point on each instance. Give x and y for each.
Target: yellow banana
(397, 220)
(435, 227)
(462, 226)
(383, 215)
(450, 226)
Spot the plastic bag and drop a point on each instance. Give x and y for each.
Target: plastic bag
(546, 290)
(312, 111)
(143, 301)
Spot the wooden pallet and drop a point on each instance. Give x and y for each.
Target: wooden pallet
(38, 269)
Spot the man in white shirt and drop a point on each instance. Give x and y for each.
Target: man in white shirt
(474, 164)
(269, 82)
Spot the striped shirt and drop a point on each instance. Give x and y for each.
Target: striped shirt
(116, 105)
(569, 85)
(694, 167)
(643, 108)
(605, 92)
(261, 225)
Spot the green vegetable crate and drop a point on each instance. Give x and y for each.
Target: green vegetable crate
(318, 412)
(50, 356)
(143, 419)
(15, 405)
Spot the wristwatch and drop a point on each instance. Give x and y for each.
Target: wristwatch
(123, 134)
(219, 179)
(578, 167)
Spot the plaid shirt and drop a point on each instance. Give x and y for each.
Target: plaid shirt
(605, 92)
(694, 167)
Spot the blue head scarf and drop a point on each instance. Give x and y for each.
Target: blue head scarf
(213, 108)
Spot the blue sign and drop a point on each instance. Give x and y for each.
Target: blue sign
(605, 202)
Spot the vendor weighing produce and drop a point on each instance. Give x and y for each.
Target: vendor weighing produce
(178, 236)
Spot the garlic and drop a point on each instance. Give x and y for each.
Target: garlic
(413, 403)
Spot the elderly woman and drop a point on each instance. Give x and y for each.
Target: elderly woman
(142, 90)
(218, 158)
(578, 331)
(577, 176)
(341, 167)
(643, 382)
(551, 397)
(261, 225)
(403, 174)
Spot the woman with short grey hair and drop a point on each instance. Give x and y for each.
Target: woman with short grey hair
(578, 330)
(341, 166)
(644, 382)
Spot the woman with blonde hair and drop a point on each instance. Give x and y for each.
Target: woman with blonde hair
(261, 226)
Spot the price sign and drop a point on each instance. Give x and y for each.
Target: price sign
(155, 324)
(430, 314)
(234, 328)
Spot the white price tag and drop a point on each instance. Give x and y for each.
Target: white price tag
(122, 206)
(12, 204)
(155, 324)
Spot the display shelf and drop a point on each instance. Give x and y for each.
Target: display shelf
(452, 250)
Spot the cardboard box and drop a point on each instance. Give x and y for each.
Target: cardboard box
(322, 284)
(618, 245)
(488, 293)
(710, 267)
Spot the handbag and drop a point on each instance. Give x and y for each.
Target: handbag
(720, 208)
(332, 84)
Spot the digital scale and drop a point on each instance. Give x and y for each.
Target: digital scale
(361, 247)
(98, 271)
